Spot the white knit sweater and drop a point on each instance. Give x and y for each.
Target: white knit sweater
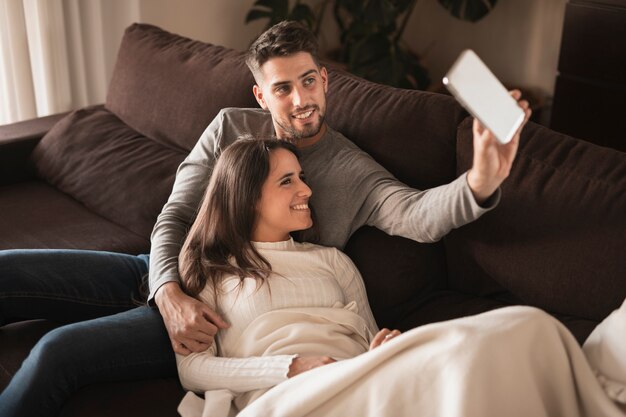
(305, 275)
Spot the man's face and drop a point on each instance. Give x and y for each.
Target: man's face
(294, 89)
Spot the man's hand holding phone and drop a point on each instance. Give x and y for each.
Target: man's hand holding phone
(499, 117)
(493, 160)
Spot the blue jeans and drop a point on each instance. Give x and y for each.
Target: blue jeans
(112, 338)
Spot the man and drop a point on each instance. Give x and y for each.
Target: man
(291, 89)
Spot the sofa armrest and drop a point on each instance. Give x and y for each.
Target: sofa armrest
(17, 141)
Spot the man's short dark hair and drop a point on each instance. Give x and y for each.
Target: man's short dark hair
(283, 39)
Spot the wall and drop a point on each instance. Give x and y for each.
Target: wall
(519, 40)
(217, 21)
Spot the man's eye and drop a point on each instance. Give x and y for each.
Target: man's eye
(309, 81)
(282, 90)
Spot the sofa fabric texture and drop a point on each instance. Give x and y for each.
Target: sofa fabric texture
(557, 239)
(169, 88)
(111, 169)
(99, 177)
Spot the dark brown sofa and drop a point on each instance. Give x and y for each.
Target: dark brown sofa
(98, 177)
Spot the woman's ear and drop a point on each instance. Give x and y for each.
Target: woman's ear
(258, 94)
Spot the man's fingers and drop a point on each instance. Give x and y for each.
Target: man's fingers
(195, 344)
(197, 347)
(477, 127)
(200, 337)
(215, 318)
(516, 94)
(180, 348)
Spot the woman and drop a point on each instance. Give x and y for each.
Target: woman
(301, 326)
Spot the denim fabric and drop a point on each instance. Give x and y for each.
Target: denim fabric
(126, 342)
(68, 285)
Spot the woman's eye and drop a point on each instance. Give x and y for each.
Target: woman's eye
(286, 181)
(303, 178)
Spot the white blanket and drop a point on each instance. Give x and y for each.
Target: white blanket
(516, 361)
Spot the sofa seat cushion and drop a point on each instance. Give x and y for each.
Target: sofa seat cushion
(557, 239)
(114, 171)
(37, 216)
(150, 397)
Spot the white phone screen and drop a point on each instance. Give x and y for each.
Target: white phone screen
(483, 96)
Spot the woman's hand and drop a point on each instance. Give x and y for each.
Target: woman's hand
(383, 336)
(303, 364)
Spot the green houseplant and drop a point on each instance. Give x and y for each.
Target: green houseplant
(371, 33)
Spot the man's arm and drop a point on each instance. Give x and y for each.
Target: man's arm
(427, 216)
(191, 325)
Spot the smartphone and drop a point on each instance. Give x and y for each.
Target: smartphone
(483, 96)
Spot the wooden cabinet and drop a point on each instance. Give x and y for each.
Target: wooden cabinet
(590, 92)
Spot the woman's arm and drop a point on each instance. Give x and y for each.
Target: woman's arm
(200, 372)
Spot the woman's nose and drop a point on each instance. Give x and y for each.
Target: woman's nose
(305, 190)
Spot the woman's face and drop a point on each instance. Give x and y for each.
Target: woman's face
(284, 203)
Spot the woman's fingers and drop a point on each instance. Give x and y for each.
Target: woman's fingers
(383, 336)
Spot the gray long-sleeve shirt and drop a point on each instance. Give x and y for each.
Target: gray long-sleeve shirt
(350, 190)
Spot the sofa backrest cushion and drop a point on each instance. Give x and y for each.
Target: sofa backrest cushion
(557, 240)
(412, 133)
(114, 171)
(169, 88)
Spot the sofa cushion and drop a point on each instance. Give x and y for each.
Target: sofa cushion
(37, 216)
(418, 147)
(410, 272)
(114, 171)
(557, 239)
(169, 88)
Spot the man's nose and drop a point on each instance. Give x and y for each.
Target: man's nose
(297, 97)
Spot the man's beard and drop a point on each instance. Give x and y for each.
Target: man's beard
(308, 132)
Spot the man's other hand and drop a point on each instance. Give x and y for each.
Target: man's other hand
(493, 160)
(191, 324)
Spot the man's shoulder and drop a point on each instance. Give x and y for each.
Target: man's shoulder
(240, 114)
(345, 148)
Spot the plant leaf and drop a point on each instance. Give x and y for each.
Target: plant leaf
(303, 13)
(470, 10)
(256, 14)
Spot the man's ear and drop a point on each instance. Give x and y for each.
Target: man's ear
(258, 94)
(324, 75)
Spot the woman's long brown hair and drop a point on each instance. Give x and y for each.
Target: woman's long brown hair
(225, 221)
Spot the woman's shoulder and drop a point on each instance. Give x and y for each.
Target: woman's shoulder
(324, 251)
